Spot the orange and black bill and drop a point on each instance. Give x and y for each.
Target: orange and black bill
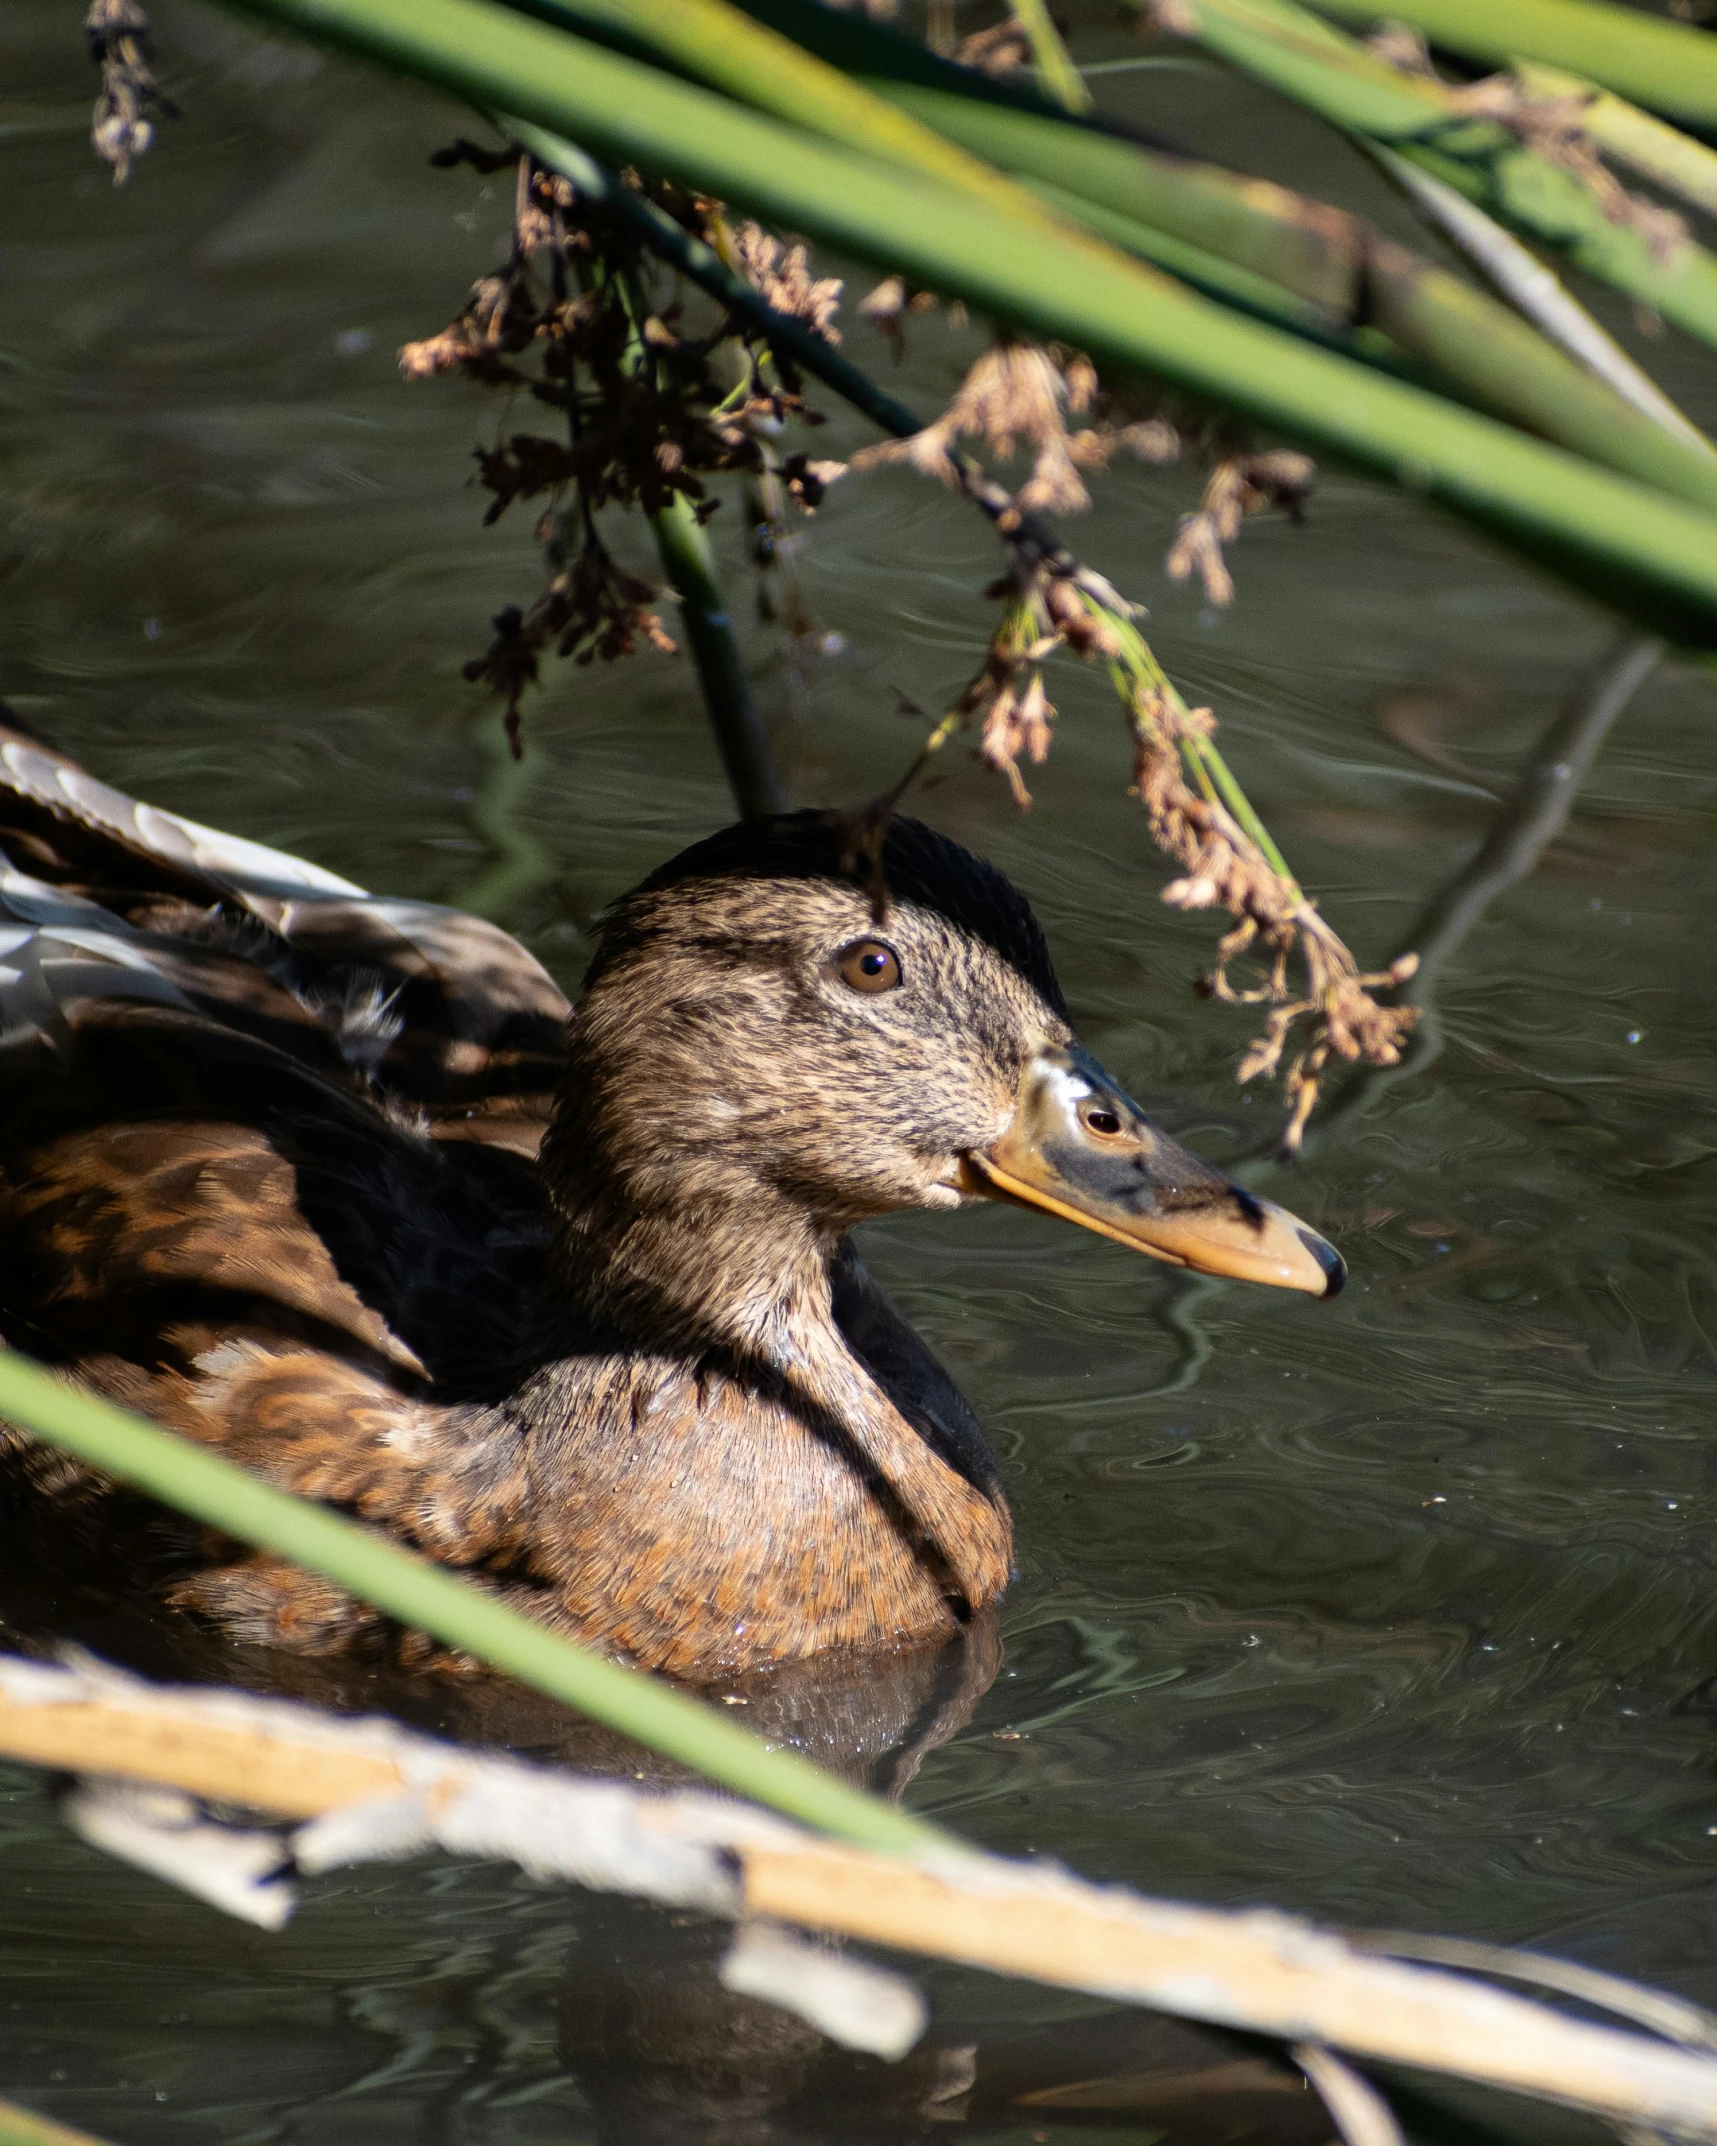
(1081, 1148)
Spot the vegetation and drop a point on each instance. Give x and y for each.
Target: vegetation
(1145, 304)
(1163, 302)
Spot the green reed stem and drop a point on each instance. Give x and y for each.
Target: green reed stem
(1671, 66)
(689, 564)
(1289, 48)
(1051, 61)
(23, 2127)
(1203, 761)
(739, 733)
(1642, 550)
(452, 1609)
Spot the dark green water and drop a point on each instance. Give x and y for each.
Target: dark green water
(1392, 1611)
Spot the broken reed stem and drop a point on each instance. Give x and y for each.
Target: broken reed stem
(372, 1790)
(1358, 2111)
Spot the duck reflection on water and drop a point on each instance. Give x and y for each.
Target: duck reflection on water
(666, 2057)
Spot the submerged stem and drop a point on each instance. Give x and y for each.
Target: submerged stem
(521, 863)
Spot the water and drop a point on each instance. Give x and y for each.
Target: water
(1393, 1611)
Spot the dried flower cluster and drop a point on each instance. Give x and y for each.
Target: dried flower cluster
(1239, 485)
(124, 121)
(1223, 867)
(782, 275)
(1020, 395)
(1002, 49)
(644, 417)
(1044, 611)
(893, 302)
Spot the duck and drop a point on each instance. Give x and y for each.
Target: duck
(562, 1295)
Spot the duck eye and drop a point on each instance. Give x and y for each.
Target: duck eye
(1096, 1119)
(869, 965)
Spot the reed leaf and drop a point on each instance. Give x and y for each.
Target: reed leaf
(1633, 545)
(1260, 248)
(1291, 51)
(1660, 153)
(432, 1599)
(1668, 66)
(1192, 219)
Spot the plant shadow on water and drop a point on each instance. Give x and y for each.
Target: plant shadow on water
(1393, 1611)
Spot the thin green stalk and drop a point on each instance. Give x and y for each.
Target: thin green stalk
(1633, 546)
(1241, 806)
(1670, 66)
(429, 1598)
(23, 2127)
(1204, 762)
(739, 734)
(1057, 76)
(689, 564)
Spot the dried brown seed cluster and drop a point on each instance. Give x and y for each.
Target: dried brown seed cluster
(781, 273)
(1019, 396)
(1002, 49)
(124, 121)
(893, 302)
(1223, 867)
(645, 419)
(591, 607)
(1239, 485)
(1044, 611)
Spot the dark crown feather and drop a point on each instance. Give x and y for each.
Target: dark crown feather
(917, 866)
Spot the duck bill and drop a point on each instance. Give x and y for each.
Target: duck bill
(1080, 1147)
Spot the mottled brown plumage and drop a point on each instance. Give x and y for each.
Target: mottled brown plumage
(269, 1171)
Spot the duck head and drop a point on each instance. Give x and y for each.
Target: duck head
(766, 1054)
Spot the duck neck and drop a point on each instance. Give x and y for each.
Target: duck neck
(708, 1263)
(701, 1260)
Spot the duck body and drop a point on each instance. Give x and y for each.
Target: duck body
(343, 1187)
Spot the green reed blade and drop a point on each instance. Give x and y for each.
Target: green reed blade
(1285, 46)
(1640, 550)
(1670, 66)
(1278, 247)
